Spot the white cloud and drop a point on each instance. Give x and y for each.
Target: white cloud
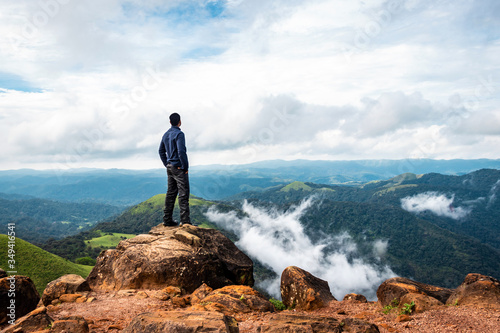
(278, 240)
(422, 69)
(438, 204)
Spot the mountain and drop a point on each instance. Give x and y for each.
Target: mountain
(432, 248)
(121, 187)
(40, 265)
(38, 219)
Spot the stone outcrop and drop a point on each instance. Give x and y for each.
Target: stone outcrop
(396, 288)
(294, 323)
(302, 290)
(479, 290)
(66, 284)
(184, 256)
(234, 300)
(182, 322)
(73, 324)
(36, 320)
(23, 293)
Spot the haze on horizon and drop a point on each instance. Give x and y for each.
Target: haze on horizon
(91, 84)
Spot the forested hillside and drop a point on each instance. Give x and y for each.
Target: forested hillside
(432, 228)
(473, 194)
(37, 220)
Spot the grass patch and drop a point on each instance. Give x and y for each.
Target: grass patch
(40, 265)
(296, 186)
(158, 202)
(108, 240)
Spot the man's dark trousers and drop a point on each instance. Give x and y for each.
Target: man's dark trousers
(178, 183)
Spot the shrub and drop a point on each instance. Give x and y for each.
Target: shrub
(278, 305)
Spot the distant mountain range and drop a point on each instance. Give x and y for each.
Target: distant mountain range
(214, 182)
(433, 228)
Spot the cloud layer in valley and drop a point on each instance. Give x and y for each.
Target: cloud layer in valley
(278, 240)
(438, 204)
(91, 84)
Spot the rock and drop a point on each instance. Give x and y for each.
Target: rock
(302, 290)
(357, 325)
(20, 290)
(36, 320)
(200, 293)
(181, 302)
(355, 297)
(142, 294)
(66, 284)
(182, 321)
(403, 318)
(82, 299)
(235, 300)
(69, 298)
(422, 302)
(52, 308)
(397, 287)
(185, 257)
(73, 324)
(115, 327)
(2, 273)
(294, 323)
(172, 291)
(479, 290)
(126, 293)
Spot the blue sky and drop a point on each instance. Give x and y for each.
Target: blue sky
(91, 84)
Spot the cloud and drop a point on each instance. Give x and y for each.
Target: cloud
(357, 80)
(278, 240)
(438, 204)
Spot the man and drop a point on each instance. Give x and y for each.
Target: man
(173, 155)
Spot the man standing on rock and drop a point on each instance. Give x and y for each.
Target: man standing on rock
(173, 155)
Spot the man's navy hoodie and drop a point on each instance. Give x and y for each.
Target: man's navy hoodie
(173, 148)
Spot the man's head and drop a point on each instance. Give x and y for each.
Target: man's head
(175, 119)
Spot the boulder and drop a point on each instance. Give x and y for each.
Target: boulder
(36, 320)
(200, 293)
(73, 324)
(422, 302)
(184, 256)
(294, 323)
(22, 291)
(479, 290)
(66, 284)
(182, 322)
(302, 290)
(355, 297)
(234, 300)
(397, 287)
(358, 325)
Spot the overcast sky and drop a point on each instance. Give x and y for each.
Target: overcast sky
(92, 83)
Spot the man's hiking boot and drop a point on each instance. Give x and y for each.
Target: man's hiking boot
(170, 224)
(184, 223)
